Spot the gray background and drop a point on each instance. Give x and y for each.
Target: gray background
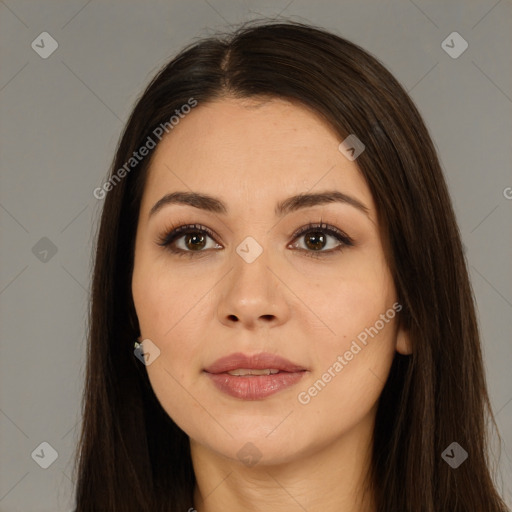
(60, 121)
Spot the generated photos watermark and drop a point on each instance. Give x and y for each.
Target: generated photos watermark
(304, 397)
(454, 455)
(149, 144)
(351, 147)
(146, 352)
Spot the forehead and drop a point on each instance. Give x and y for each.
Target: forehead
(252, 150)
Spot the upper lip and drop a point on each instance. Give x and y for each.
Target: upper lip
(259, 361)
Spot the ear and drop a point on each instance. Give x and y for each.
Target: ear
(403, 341)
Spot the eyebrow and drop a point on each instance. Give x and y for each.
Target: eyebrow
(291, 204)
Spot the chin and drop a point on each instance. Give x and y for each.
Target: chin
(256, 449)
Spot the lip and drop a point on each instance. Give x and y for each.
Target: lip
(254, 387)
(252, 362)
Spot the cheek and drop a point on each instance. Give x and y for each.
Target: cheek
(169, 314)
(164, 308)
(349, 378)
(164, 301)
(353, 357)
(352, 367)
(351, 301)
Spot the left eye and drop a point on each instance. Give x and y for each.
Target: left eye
(316, 235)
(193, 239)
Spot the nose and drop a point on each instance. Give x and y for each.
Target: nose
(252, 295)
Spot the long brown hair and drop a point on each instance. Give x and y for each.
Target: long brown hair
(132, 456)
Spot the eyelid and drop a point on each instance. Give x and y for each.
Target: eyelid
(322, 226)
(178, 229)
(173, 232)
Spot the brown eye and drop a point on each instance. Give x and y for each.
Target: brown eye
(195, 241)
(316, 239)
(192, 238)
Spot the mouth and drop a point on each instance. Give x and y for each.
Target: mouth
(245, 372)
(253, 377)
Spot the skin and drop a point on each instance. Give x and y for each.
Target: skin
(252, 154)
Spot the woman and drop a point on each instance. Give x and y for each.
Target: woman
(281, 313)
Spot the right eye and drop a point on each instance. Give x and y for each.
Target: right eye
(193, 236)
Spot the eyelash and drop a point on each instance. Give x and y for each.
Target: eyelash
(173, 233)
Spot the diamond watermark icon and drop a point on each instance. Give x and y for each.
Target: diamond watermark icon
(146, 352)
(249, 454)
(45, 455)
(44, 45)
(454, 455)
(351, 147)
(44, 250)
(454, 45)
(249, 249)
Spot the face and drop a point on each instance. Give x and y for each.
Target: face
(256, 282)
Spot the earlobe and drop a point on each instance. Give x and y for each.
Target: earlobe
(403, 342)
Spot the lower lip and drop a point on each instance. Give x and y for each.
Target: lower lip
(254, 387)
